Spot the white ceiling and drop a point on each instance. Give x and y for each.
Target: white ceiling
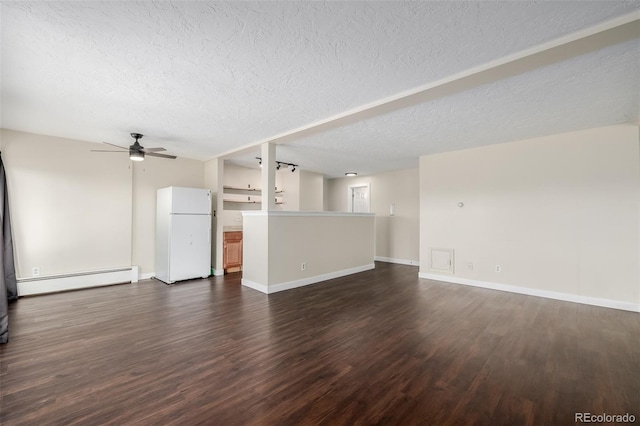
(365, 86)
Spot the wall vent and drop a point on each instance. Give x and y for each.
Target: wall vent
(441, 260)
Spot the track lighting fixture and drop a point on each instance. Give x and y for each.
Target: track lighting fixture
(280, 164)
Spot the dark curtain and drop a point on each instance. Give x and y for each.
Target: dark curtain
(8, 284)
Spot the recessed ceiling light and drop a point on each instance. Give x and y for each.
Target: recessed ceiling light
(351, 174)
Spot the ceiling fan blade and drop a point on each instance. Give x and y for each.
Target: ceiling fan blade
(153, 149)
(117, 146)
(151, 154)
(104, 150)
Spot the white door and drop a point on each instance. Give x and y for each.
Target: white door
(190, 249)
(359, 198)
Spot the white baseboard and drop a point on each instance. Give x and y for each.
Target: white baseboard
(398, 261)
(567, 297)
(218, 272)
(260, 287)
(150, 275)
(305, 281)
(75, 281)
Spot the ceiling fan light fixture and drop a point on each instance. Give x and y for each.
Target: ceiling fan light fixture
(137, 152)
(136, 156)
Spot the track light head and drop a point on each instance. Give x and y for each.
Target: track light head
(280, 164)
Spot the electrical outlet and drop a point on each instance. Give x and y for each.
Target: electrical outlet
(498, 268)
(303, 266)
(35, 271)
(470, 266)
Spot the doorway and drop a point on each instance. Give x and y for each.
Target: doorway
(359, 198)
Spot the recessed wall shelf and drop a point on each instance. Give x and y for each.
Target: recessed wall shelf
(237, 188)
(241, 198)
(248, 202)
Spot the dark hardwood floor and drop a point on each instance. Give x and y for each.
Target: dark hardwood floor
(378, 347)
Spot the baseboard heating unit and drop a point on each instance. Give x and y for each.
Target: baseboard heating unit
(77, 280)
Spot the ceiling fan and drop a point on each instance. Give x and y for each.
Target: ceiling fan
(136, 151)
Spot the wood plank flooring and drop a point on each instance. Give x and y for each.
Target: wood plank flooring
(378, 347)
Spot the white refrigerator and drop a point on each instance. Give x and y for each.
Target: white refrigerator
(183, 234)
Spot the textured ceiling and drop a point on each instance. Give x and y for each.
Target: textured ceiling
(206, 78)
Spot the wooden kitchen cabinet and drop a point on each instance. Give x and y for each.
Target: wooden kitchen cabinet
(232, 251)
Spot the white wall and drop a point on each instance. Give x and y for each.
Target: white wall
(241, 176)
(255, 250)
(397, 237)
(311, 192)
(325, 194)
(559, 214)
(77, 211)
(331, 245)
(70, 208)
(213, 178)
(290, 184)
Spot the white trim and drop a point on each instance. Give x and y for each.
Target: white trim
(585, 300)
(260, 287)
(305, 281)
(218, 272)
(304, 214)
(135, 272)
(75, 281)
(398, 261)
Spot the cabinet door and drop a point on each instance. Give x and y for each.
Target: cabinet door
(232, 254)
